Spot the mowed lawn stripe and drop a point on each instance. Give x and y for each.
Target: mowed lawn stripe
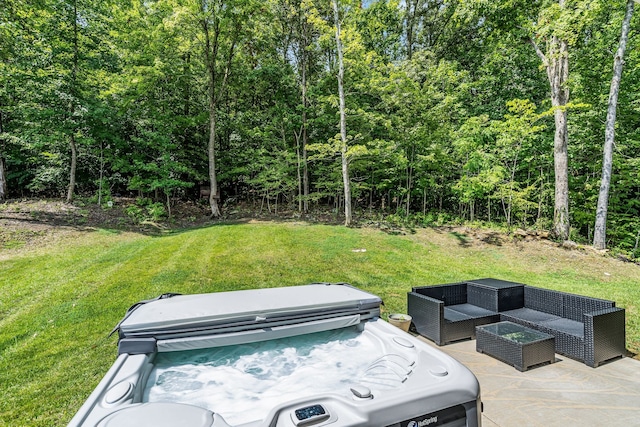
(59, 303)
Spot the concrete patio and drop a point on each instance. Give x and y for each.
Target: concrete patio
(563, 394)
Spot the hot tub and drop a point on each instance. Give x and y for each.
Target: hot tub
(311, 355)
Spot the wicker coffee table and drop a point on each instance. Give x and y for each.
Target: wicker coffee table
(516, 345)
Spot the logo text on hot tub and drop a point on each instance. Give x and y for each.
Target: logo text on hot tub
(423, 423)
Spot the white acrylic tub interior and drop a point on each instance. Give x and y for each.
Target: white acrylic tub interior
(243, 383)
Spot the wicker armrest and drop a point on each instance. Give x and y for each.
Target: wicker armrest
(427, 314)
(604, 335)
(450, 294)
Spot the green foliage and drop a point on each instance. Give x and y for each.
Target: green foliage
(145, 210)
(135, 212)
(156, 211)
(103, 195)
(447, 104)
(498, 154)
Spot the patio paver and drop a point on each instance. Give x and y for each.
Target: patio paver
(564, 394)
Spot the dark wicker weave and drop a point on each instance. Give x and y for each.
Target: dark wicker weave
(443, 313)
(450, 294)
(534, 349)
(495, 295)
(604, 335)
(587, 329)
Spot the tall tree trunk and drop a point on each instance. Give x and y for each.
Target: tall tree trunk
(412, 9)
(186, 67)
(72, 173)
(3, 175)
(299, 170)
(304, 64)
(72, 107)
(212, 46)
(561, 166)
(211, 153)
(211, 53)
(101, 183)
(556, 63)
(343, 122)
(303, 58)
(3, 179)
(600, 231)
(410, 179)
(305, 136)
(512, 180)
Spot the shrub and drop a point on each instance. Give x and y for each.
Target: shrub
(156, 211)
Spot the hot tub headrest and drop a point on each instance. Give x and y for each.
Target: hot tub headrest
(137, 346)
(160, 414)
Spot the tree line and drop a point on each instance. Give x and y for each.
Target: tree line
(520, 112)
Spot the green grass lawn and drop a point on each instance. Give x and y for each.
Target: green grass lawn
(58, 303)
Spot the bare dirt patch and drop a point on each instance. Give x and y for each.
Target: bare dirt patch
(30, 223)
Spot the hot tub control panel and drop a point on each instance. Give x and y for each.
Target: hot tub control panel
(310, 415)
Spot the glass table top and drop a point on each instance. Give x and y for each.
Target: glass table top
(515, 332)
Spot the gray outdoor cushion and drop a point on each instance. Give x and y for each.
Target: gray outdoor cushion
(454, 316)
(472, 310)
(568, 326)
(533, 316)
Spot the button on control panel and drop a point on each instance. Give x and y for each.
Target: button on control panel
(310, 415)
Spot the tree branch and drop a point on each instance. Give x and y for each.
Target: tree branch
(539, 52)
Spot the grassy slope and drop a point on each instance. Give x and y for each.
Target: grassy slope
(59, 303)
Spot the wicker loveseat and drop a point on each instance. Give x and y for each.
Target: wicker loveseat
(587, 329)
(448, 313)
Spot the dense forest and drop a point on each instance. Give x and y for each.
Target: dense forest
(519, 112)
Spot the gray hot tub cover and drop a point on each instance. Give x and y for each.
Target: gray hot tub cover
(242, 310)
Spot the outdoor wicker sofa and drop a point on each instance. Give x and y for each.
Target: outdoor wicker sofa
(448, 313)
(587, 329)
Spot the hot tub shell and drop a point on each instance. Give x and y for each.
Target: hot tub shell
(430, 388)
